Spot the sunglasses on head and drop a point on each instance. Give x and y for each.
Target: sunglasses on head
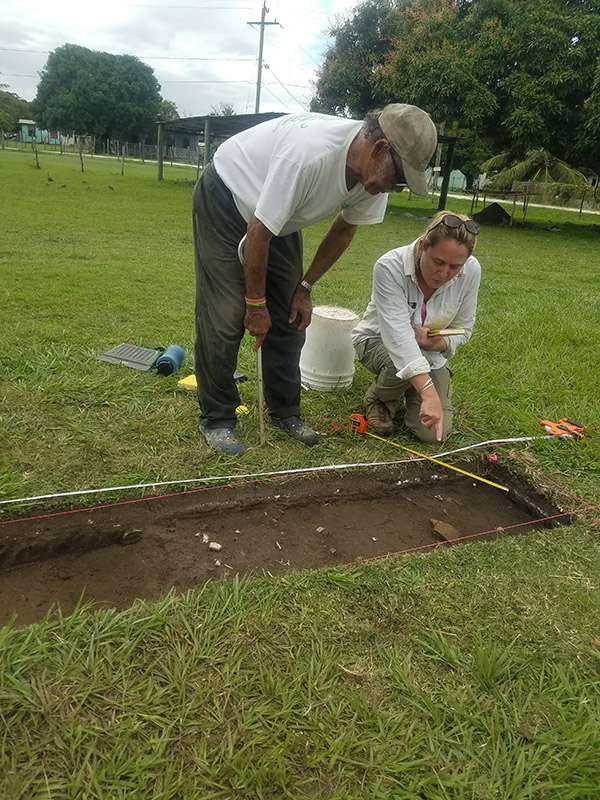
(452, 221)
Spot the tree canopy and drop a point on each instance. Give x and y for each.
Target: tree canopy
(12, 109)
(222, 110)
(168, 111)
(97, 93)
(503, 75)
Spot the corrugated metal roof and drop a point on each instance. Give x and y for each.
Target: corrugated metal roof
(221, 127)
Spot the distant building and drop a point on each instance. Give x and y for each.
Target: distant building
(185, 141)
(29, 131)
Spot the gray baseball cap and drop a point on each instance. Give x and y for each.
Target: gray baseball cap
(413, 136)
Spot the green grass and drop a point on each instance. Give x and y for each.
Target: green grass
(86, 267)
(463, 674)
(467, 673)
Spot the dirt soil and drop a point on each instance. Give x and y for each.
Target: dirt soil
(140, 549)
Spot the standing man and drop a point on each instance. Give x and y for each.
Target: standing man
(267, 184)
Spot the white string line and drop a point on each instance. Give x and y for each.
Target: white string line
(268, 474)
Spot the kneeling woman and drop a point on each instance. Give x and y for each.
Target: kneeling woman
(425, 286)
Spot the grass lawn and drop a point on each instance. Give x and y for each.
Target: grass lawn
(472, 672)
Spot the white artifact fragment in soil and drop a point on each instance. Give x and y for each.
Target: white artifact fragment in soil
(215, 546)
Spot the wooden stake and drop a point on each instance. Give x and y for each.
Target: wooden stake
(261, 396)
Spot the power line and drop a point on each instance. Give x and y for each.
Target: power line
(265, 83)
(21, 50)
(295, 99)
(194, 58)
(148, 58)
(285, 55)
(279, 100)
(161, 82)
(212, 8)
(277, 81)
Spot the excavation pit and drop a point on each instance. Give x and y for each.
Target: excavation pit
(116, 554)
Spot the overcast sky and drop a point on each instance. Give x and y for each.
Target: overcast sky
(202, 52)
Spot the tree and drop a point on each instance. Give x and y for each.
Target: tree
(346, 83)
(540, 59)
(588, 137)
(12, 109)
(222, 110)
(538, 166)
(97, 93)
(168, 111)
(509, 75)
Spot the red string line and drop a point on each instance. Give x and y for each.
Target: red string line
(258, 480)
(135, 500)
(469, 536)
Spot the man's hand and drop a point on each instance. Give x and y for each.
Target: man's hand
(301, 305)
(431, 412)
(257, 322)
(432, 343)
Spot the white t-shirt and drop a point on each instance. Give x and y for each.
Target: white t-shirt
(396, 310)
(291, 172)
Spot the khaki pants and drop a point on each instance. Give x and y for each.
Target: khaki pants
(388, 388)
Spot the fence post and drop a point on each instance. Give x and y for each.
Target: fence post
(159, 150)
(580, 206)
(206, 141)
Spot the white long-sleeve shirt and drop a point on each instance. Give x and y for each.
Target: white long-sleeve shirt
(394, 312)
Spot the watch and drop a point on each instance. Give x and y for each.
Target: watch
(308, 286)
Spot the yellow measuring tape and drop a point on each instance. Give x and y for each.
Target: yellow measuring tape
(437, 461)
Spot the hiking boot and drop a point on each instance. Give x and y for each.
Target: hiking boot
(222, 439)
(379, 418)
(297, 429)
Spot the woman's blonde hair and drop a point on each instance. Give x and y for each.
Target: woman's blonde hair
(437, 232)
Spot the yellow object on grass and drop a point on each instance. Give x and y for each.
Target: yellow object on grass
(190, 383)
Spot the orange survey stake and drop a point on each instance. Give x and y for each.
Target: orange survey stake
(564, 428)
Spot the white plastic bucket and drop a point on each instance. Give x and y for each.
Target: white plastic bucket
(327, 358)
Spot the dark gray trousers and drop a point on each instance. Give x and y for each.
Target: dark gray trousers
(218, 228)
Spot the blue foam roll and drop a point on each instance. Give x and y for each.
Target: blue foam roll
(170, 360)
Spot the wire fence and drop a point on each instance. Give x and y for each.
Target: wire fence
(579, 198)
(140, 151)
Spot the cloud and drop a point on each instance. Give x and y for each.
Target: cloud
(293, 49)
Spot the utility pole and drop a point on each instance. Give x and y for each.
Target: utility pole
(262, 24)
